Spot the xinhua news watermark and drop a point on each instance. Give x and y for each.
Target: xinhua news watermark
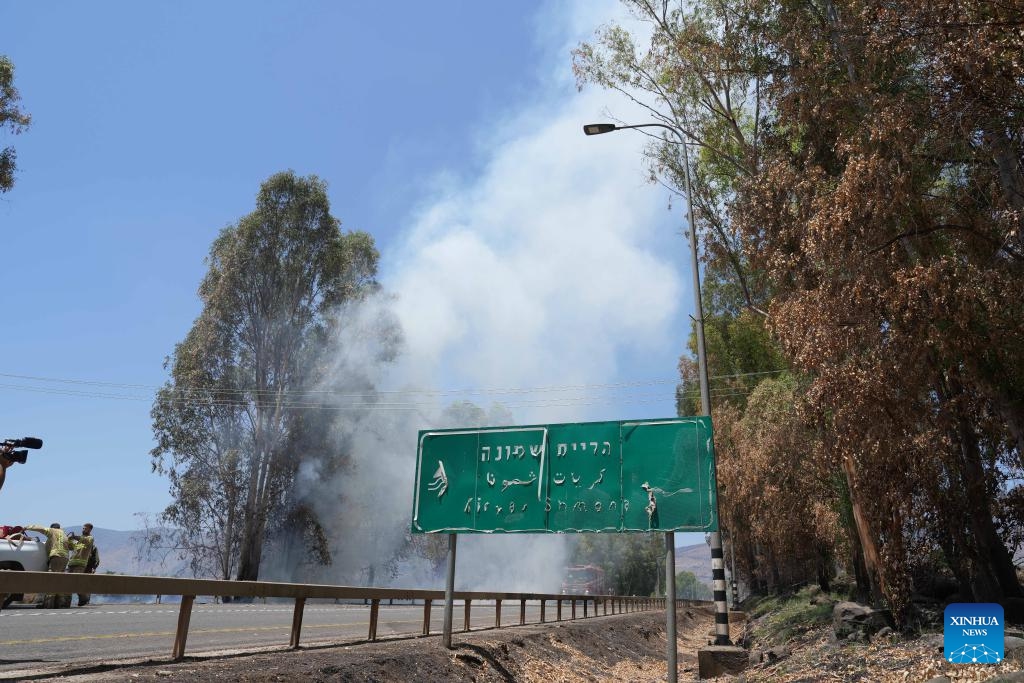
(973, 633)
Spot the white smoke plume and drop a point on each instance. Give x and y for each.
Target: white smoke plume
(542, 271)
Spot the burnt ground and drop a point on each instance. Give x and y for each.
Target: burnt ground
(627, 647)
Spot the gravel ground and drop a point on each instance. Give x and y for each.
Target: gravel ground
(816, 656)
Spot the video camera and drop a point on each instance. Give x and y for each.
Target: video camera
(19, 456)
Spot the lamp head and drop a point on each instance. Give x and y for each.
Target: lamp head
(598, 128)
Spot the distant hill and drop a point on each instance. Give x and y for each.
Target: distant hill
(696, 559)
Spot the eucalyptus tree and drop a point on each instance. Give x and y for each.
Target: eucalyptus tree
(275, 283)
(885, 219)
(703, 69)
(860, 174)
(199, 425)
(704, 72)
(12, 118)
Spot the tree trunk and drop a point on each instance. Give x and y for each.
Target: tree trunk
(774, 580)
(251, 550)
(250, 544)
(225, 550)
(994, 576)
(862, 590)
(869, 550)
(756, 583)
(251, 554)
(1002, 561)
(1011, 178)
(860, 571)
(824, 570)
(248, 569)
(956, 562)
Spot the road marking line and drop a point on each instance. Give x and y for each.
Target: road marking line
(151, 634)
(169, 610)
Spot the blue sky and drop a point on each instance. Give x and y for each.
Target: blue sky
(520, 254)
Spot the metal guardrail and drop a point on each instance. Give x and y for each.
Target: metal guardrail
(188, 589)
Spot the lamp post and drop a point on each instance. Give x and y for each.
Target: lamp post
(717, 556)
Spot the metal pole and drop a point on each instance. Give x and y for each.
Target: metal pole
(449, 594)
(717, 557)
(670, 605)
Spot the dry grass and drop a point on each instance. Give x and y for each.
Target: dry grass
(806, 630)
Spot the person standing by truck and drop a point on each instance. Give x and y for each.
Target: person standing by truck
(57, 550)
(84, 557)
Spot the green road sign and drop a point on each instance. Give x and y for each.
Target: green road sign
(639, 475)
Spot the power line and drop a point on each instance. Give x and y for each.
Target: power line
(291, 402)
(242, 397)
(378, 405)
(386, 392)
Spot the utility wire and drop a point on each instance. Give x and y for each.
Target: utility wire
(385, 392)
(290, 398)
(291, 403)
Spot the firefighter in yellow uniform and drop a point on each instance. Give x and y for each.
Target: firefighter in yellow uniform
(82, 548)
(57, 547)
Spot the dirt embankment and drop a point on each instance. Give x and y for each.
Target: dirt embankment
(629, 647)
(795, 639)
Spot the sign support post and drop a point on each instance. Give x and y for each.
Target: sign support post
(649, 476)
(670, 604)
(449, 593)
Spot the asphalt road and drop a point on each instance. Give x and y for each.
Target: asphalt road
(32, 637)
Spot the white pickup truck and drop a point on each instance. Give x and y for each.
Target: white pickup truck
(21, 552)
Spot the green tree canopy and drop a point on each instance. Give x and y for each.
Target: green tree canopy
(12, 119)
(236, 419)
(689, 587)
(859, 184)
(630, 561)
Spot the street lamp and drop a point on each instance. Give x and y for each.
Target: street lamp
(702, 361)
(598, 128)
(717, 556)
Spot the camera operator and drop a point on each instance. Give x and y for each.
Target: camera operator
(9, 456)
(5, 462)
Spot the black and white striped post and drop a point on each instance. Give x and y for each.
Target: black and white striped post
(718, 585)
